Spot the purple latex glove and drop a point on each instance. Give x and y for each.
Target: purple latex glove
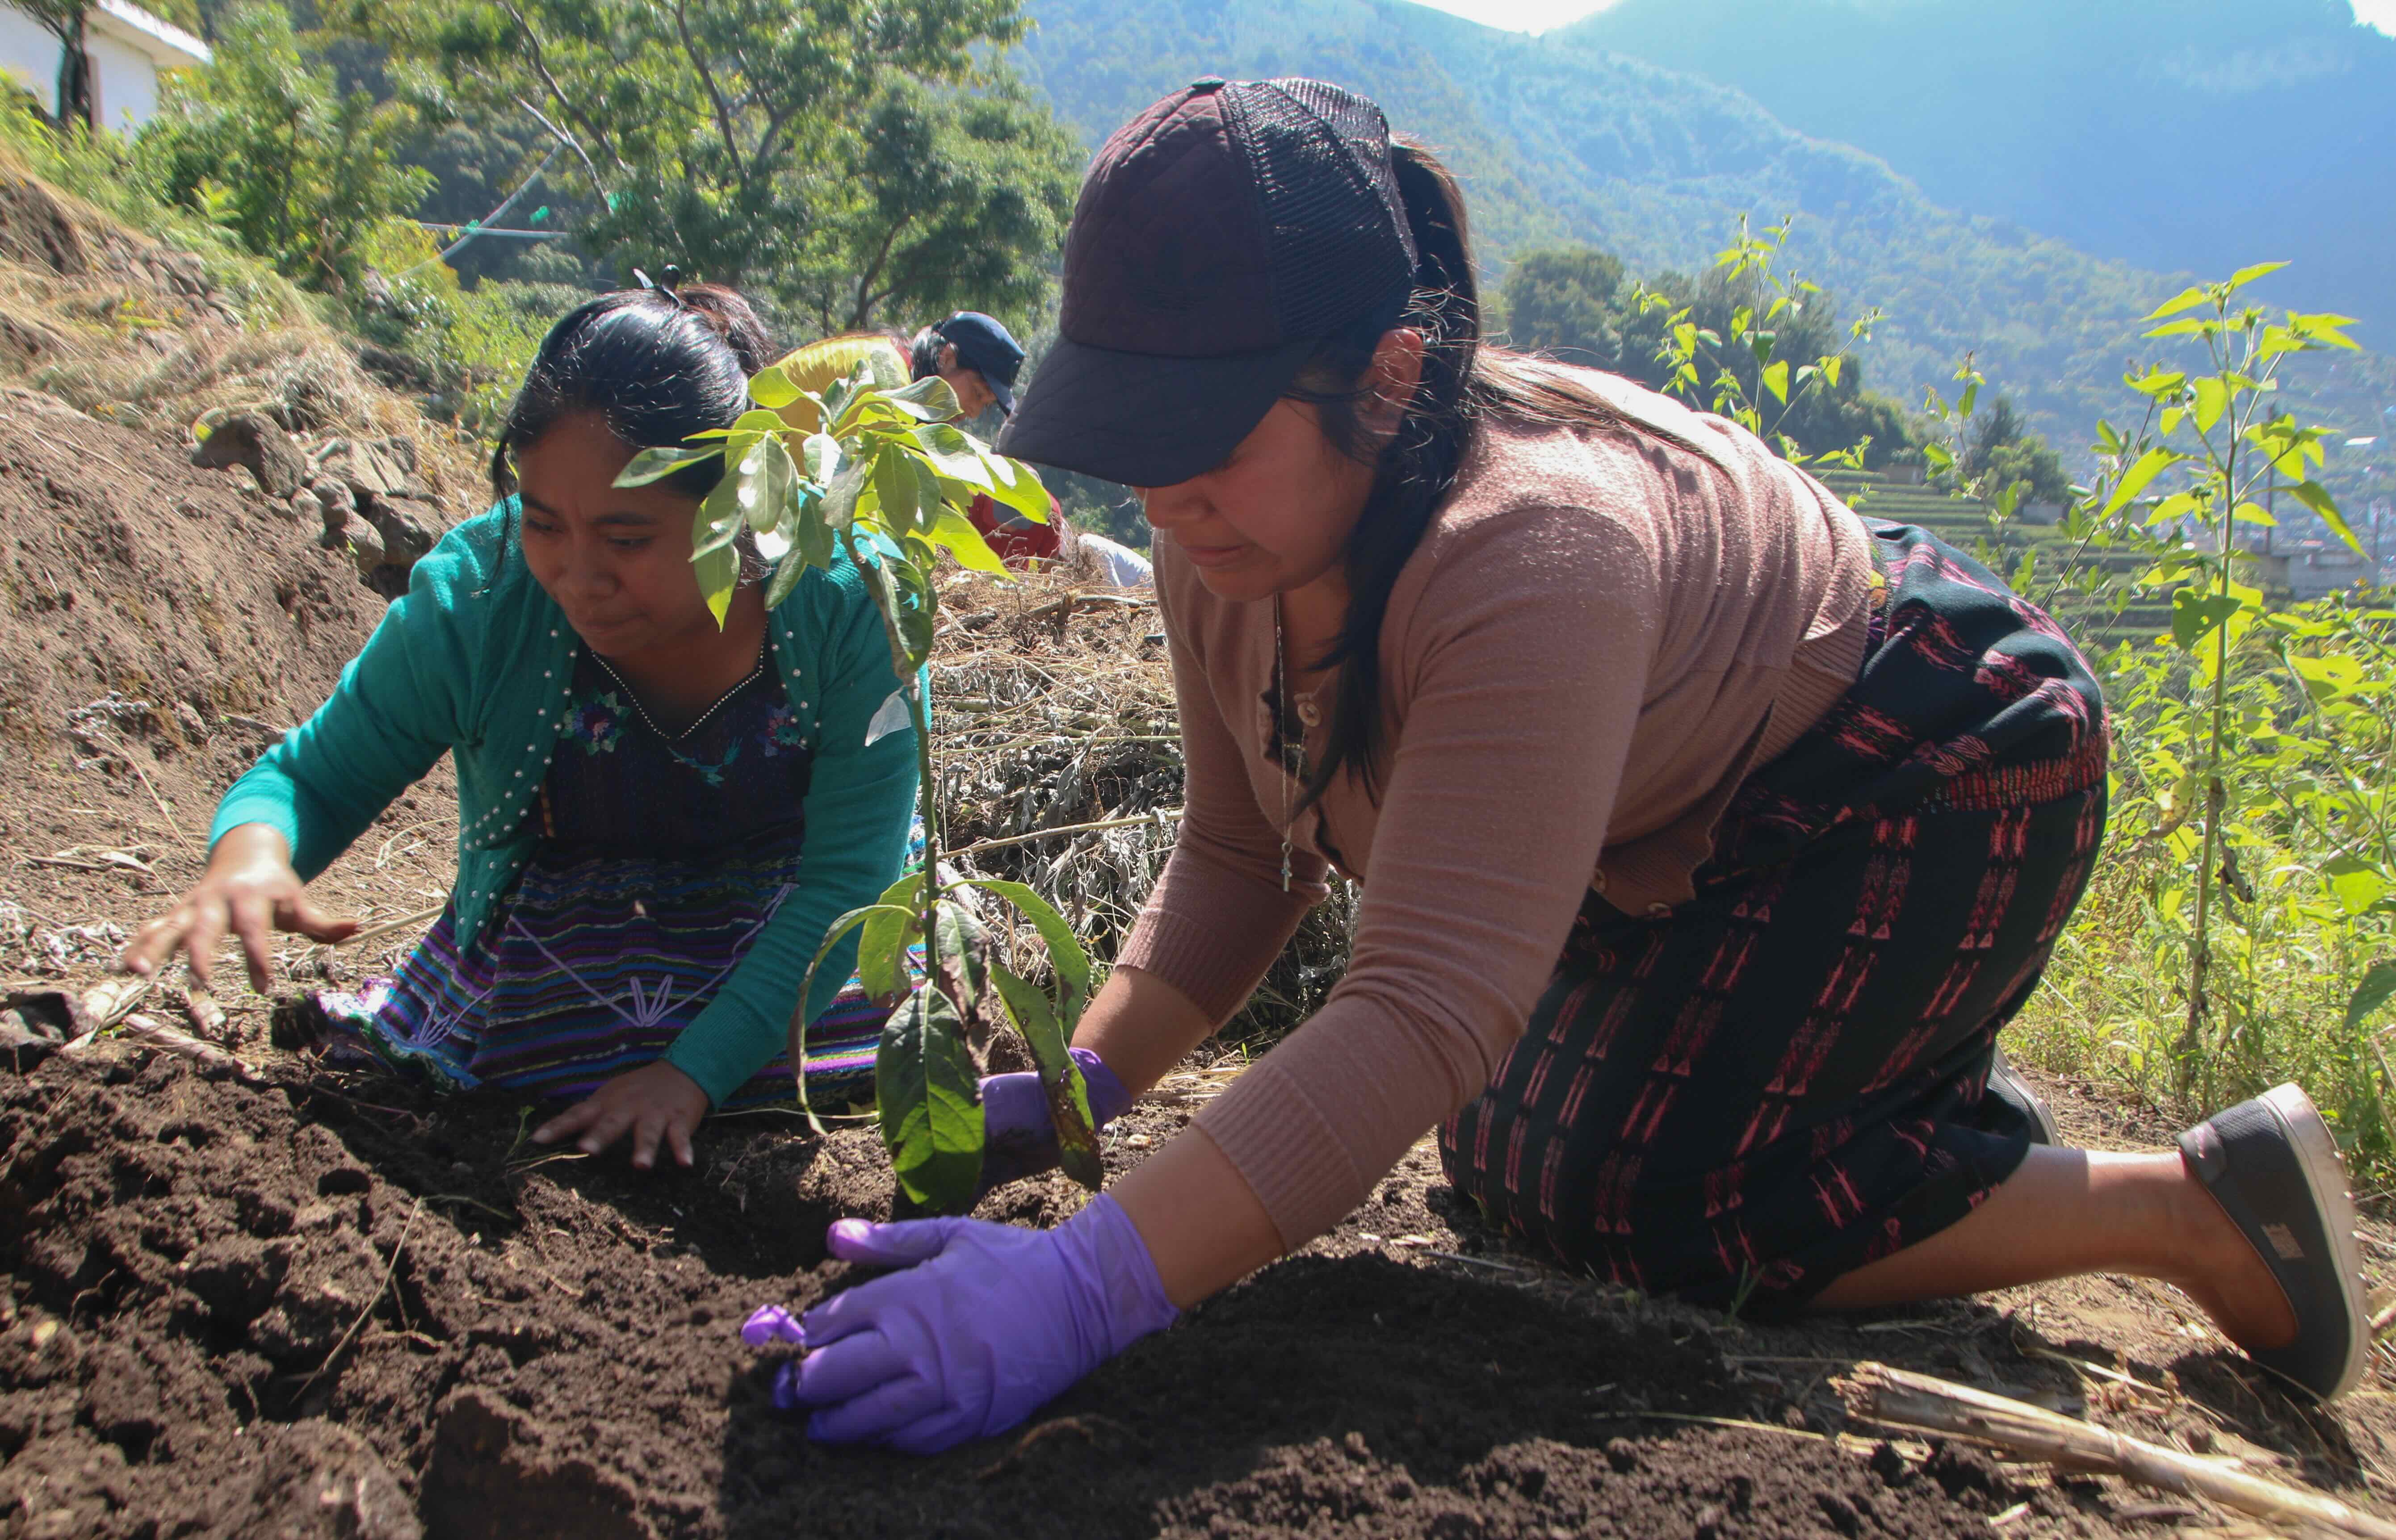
(1019, 1139)
(988, 1323)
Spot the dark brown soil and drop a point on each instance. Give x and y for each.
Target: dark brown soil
(312, 1306)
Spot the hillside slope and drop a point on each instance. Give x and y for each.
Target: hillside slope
(1559, 140)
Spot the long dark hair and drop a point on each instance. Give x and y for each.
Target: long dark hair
(1463, 384)
(924, 353)
(660, 366)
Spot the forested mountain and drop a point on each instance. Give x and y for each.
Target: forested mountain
(2166, 133)
(1560, 141)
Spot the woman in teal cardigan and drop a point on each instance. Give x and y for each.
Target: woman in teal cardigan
(659, 816)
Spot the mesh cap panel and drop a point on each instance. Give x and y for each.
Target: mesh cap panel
(1320, 157)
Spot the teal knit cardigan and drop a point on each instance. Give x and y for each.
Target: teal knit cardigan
(477, 659)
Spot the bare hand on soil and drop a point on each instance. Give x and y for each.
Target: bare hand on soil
(249, 890)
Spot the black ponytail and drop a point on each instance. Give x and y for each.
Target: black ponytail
(1416, 468)
(1464, 384)
(658, 364)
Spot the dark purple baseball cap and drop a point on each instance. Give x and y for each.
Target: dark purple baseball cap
(1219, 237)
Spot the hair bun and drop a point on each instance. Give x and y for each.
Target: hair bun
(730, 317)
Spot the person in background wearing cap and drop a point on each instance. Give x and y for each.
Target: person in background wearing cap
(1708, 833)
(980, 359)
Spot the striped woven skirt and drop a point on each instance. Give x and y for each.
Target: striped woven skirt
(591, 968)
(1783, 1077)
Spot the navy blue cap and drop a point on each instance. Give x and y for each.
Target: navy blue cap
(988, 349)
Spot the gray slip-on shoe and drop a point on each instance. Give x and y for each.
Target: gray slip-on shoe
(2015, 1093)
(2272, 1166)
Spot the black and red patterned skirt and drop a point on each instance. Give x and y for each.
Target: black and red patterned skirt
(1784, 1078)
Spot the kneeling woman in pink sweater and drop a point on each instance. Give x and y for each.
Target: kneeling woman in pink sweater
(1708, 833)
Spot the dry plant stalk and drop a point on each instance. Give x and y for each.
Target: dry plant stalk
(142, 1031)
(207, 1017)
(1058, 749)
(108, 1001)
(1896, 1397)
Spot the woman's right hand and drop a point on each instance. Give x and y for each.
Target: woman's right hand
(250, 889)
(1021, 1136)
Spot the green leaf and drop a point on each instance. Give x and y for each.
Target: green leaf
(964, 958)
(796, 1033)
(719, 574)
(2186, 328)
(926, 1087)
(2316, 496)
(2355, 884)
(2157, 383)
(1776, 379)
(1964, 403)
(2153, 463)
(955, 534)
(841, 499)
(820, 457)
(953, 455)
(771, 388)
(1069, 1097)
(719, 519)
(895, 484)
(657, 464)
(892, 926)
(931, 399)
(2187, 298)
(1017, 485)
(1065, 953)
(769, 483)
(2246, 276)
(2377, 987)
(2195, 615)
(787, 574)
(2212, 400)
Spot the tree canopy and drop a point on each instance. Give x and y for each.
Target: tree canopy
(845, 161)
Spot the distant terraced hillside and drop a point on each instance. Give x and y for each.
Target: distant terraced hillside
(1965, 524)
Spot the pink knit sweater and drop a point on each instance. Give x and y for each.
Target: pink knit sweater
(1603, 631)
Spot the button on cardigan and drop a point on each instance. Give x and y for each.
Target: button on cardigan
(476, 659)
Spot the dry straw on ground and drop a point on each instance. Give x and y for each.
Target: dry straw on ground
(137, 333)
(1053, 709)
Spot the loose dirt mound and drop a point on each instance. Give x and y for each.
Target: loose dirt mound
(294, 1308)
(159, 626)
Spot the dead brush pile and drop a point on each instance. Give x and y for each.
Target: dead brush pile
(1053, 709)
(130, 330)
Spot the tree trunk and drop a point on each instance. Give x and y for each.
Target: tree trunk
(74, 78)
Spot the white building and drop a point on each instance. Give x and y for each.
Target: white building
(127, 47)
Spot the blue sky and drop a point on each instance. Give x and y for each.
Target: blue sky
(1533, 16)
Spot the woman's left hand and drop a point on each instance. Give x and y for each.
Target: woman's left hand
(654, 1103)
(988, 1323)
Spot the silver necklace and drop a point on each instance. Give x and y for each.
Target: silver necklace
(764, 644)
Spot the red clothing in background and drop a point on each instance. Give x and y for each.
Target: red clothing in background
(1017, 539)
